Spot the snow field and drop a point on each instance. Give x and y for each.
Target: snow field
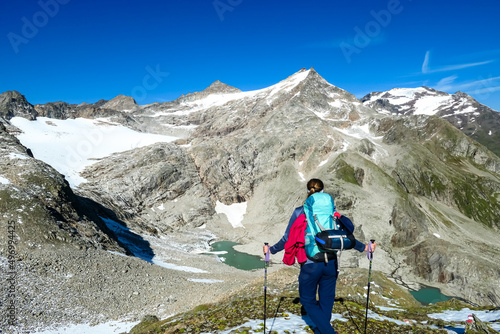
(71, 145)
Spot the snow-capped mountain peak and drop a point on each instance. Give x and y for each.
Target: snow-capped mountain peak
(464, 112)
(420, 101)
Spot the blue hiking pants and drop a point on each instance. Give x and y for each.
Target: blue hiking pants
(322, 278)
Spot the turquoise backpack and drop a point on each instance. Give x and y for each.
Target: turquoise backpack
(319, 209)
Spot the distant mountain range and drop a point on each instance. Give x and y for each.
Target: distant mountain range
(473, 118)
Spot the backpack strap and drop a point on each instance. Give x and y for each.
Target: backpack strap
(317, 223)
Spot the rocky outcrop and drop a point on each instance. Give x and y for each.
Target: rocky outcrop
(476, 326)
(13, 104)
(156, 188)
(121, 103)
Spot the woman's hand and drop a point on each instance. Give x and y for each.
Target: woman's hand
(266, 249)
(374, 245)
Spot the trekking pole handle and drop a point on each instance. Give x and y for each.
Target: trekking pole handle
(267, 253)
(369, 250)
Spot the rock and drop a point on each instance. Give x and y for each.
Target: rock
(13, 104)
(477, 326)
(121, 103)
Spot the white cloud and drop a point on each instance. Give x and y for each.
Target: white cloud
(426, 68)
(446, 84)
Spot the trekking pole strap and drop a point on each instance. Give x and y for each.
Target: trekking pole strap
(267, 253)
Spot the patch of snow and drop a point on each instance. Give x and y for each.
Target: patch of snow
(358, 131)
(489, 133)
(462, 315)
(177, 267)
(286, 85)
(216, 100)
(202, 280)
(335, 103)
(373, 315)
(437, 235)
(161, 207)
(73, 144)
(117, 253)
(323, 163)
(290, 324)
(429, 105)
(4, 180)
(467, 110)
(302, 178)
(233, 212)
(105, 328)
(385, 308)
(17, 155)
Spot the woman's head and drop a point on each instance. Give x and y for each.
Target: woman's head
(314, 186)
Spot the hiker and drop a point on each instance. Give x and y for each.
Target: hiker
(316, 276)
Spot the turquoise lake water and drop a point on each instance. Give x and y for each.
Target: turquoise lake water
(429, 295)
(237, 259)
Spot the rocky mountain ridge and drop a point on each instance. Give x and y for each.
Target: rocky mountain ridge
(473, 118)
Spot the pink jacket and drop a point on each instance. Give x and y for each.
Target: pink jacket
(294, 247)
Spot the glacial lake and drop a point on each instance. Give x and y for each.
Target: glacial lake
(236, 259)
(429, 295)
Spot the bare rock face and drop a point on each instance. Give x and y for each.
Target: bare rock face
(121, 103)
(57, 110)
(158, 184)
(12, 104)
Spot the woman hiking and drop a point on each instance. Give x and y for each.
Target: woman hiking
(316, 276)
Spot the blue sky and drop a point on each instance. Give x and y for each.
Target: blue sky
(82, 51)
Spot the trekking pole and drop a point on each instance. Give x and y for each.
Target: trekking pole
(369, 254)
(265, 284)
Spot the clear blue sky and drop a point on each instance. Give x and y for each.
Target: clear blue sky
(155, 50)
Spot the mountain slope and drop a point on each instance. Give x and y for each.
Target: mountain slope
(471, 117)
